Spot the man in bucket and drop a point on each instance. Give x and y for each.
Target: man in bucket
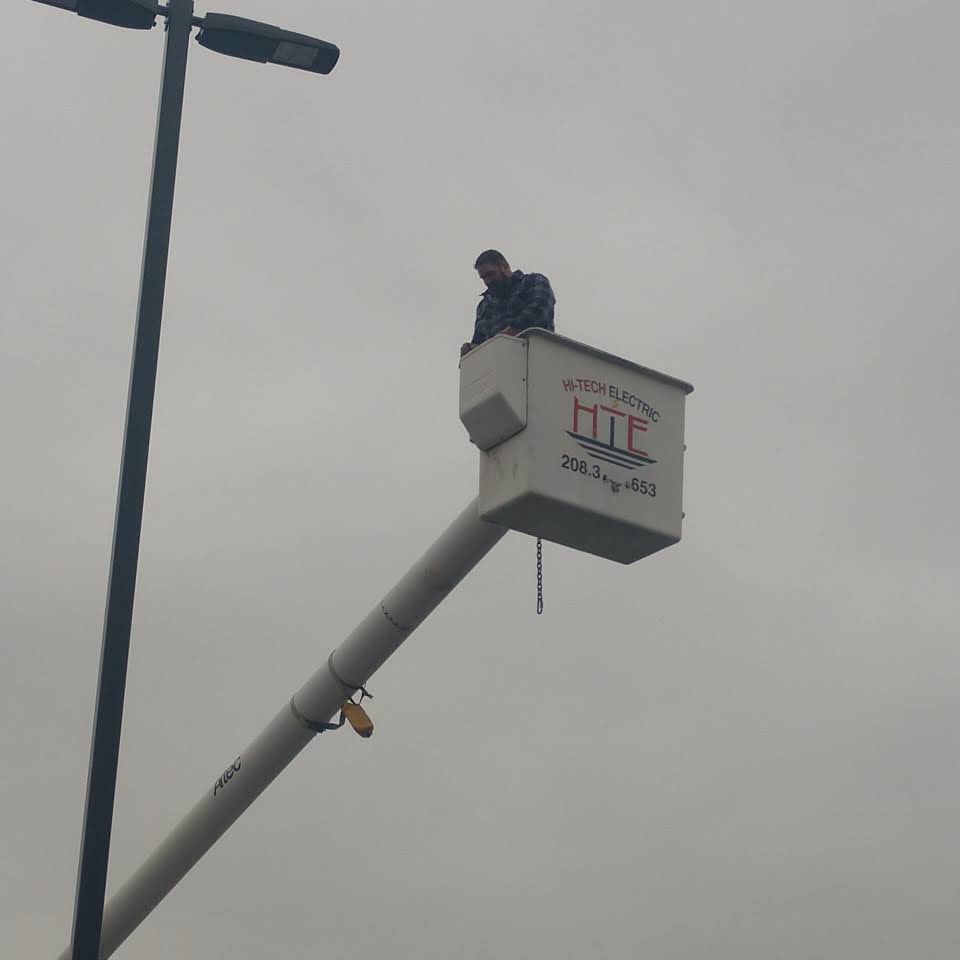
(513, 300)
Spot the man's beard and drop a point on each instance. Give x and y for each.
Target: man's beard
(499, 288)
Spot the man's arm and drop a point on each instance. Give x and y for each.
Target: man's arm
(479, 333)
(537, 304)
(467, 347)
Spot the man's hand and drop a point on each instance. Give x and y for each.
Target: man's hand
(510, 331)
(465, 349)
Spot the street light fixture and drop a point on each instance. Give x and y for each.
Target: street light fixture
(250, 40)
(136, 14)
(236, 37)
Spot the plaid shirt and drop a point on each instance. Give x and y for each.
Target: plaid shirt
(528, 303)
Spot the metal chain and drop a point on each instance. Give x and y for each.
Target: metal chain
(539, 576)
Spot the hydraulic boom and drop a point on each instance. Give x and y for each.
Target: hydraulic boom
(458, 550)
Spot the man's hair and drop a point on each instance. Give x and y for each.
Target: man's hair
(494, 257)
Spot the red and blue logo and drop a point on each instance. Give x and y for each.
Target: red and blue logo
(620, 431)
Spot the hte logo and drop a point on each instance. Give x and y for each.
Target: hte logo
(623, 427)
(226, 776)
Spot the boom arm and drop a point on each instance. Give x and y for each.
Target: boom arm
(457, 551)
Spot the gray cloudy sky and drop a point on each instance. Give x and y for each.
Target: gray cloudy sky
(742, 747)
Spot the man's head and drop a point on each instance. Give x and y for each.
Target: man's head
(494, 270)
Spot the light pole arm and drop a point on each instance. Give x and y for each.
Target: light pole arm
(105, 745)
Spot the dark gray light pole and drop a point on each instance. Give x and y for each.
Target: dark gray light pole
(249, 40)
(105, 745)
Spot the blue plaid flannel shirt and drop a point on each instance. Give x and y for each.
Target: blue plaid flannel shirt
(528, 302)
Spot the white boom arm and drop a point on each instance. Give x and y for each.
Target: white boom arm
(458, 550)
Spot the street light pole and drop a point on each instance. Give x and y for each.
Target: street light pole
(105, 745)
(233, 37)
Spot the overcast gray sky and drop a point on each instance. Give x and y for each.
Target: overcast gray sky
(751, 751)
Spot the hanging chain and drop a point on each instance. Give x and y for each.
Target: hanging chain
(539, 576)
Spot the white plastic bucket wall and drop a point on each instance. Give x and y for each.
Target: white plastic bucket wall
(599, 464)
